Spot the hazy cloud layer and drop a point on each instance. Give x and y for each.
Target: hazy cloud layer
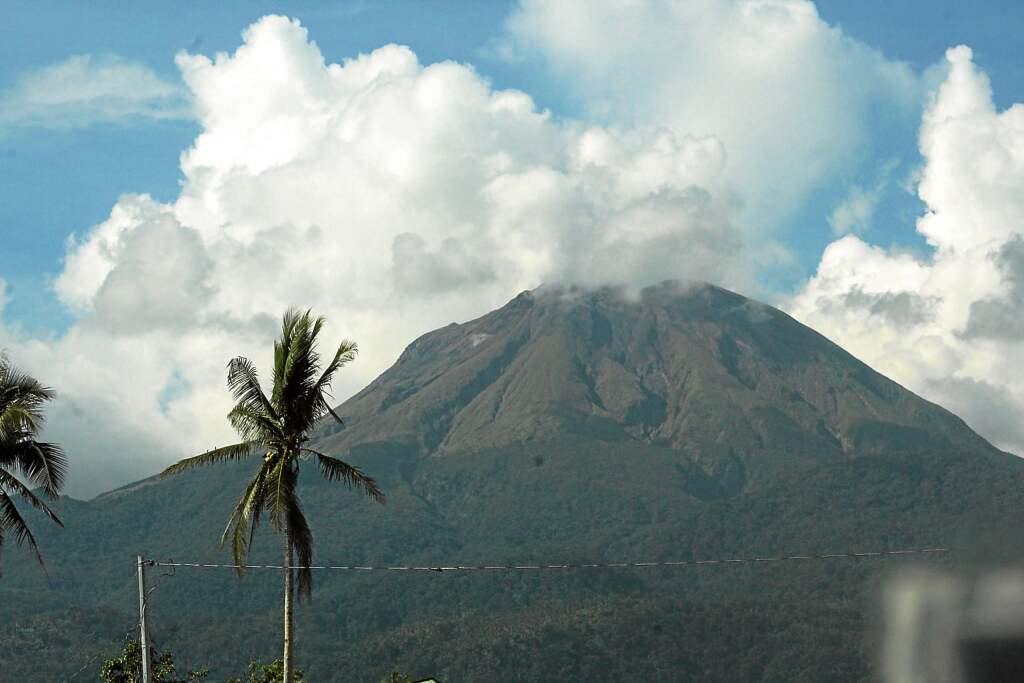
(957, 336)
(856, 211)
(900, 309)
(86, 89)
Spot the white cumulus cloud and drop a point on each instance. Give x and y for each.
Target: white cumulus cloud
(392, 196)
(788, 95)
(945, 324)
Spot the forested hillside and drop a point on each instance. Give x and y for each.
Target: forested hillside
(651, 439)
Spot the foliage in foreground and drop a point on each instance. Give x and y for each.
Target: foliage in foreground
(25, 462)
(127, 667)
(268, 673)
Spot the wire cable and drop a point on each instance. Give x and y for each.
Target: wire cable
(535, 567)
(591, 565)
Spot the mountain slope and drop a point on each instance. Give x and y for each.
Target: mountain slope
(727, 382)
(689, 423)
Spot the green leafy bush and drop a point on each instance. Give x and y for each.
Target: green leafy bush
(268, 673)
(127, 667)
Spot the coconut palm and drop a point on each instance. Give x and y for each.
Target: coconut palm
(41, 466)
(277, 427)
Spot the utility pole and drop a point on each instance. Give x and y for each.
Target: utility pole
(143, 625)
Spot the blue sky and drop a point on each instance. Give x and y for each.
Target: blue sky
(794, 177)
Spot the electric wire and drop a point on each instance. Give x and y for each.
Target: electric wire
(531, 567)
(564, 565)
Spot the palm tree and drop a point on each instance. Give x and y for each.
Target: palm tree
(278, 428)
(41, 465)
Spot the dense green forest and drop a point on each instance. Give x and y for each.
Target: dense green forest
(790, 621)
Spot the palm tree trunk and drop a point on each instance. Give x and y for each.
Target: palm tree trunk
(288, 592)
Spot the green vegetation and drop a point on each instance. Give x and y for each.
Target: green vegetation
(278, 428)
(127, 667)
(41, 465)
(792, 621)
(555, 430)
(268, 673)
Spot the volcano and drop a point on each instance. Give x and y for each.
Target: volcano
(740, 391)
(678, 423)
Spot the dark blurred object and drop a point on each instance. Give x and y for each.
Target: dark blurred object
(987, 660)
(946, 629)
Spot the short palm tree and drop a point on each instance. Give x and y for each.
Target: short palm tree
(40, 465)
(277, 427)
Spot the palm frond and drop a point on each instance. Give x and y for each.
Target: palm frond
(280, 485)
(11, 520)
(302, 544)
(297, 394)
(282, 349)
(21, 401)
(24, 383)
(254, 425)
(244, 383)
(238, 451)
(345, 354)
(246, 516)
(10, 484)
(18, 418)
(320, 406)
(43, 464)
(288, 519)
(333, 469)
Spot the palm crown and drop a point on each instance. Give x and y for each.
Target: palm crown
(40, 465)
(277, 428)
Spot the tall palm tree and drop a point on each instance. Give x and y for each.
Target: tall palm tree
(278, 427)
(40, 465)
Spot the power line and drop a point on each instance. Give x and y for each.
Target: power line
(591, 565)
(537, 567)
